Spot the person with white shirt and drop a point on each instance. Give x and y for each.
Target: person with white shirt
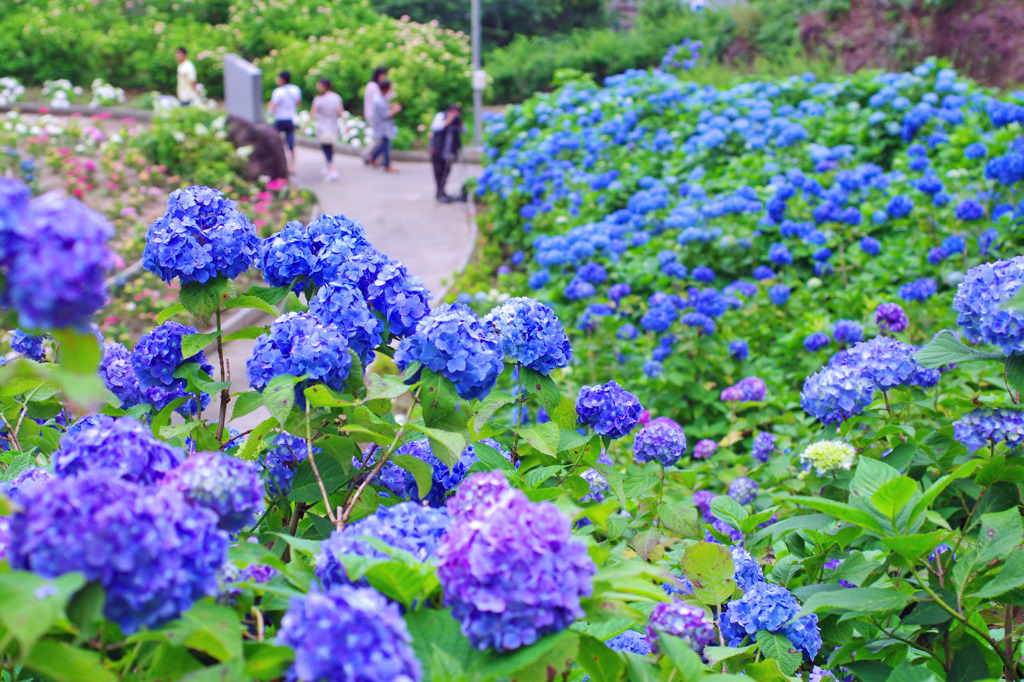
(328, 110)
(188, 82)
(370, 95)
(284, 105)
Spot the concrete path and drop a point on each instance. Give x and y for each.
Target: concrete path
(401, 218)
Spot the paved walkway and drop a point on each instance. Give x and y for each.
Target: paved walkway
(401, 219)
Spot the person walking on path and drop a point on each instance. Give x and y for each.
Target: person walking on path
(384, 128)
(445, 142)
(284, 104)
(188, 81)
(370, 94)
(327, 110)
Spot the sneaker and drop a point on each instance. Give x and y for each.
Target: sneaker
(331, 177)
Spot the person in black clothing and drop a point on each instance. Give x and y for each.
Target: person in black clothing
(445, 142)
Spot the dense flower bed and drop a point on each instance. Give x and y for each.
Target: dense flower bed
(498, 526)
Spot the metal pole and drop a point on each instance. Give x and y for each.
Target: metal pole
(479, 79)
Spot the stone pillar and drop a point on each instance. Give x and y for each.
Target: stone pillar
(243, 89)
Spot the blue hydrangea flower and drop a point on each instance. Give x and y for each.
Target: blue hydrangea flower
(28, 345)
(821, 675)
(739, 350)
(659, 318)
(748, 572)
(348, 634)
(985, 427)
(281, 460)
(154, 553)
(816, 341)
(704, 448)
(884, 360)
(397, 295)
(703, 273)
(805, 635)
(578, 289)
(918, 290)
(979, 301)
(748, 389)
(510, 569)
(890, 317)
(335, 242)
(662, 441)
(452, 342)
(847, 332)
(969, 210)
(443, 479)
(900, 206)
(764, 445)
(229, 487)
(593, 273)
(779, 294)
(14, 198)
(598, 483)
(870, 246)
(836, 393)
(763, 272)
(627, 332)
(286, 256)
(201, 236)
(743, 490)
(407, 526)
(975, 151)
(57, 261)
(631, 641)
(531, 334)
(618, 291)
(298, 345)
(121, 448)
(118, 375)
(342, 306)
(763, 607)
(609, 409)
(157, 357)
(677, 618)
(702, 501)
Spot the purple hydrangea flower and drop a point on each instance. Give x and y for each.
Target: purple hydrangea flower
(704, 448)
(702, 501)
(153, 553)
(348, 634)
(598, 483)
(679, 619)
(531, 334)
(836, 393)
(739, 350)
(661, 441)
(631, 641)
(846, 332)
(298, 344)
(121, 448)
(229, 487)
(118, 375)
(57, 260)
(155, 359)
(202, 236)
(341, 305)
(510, 568)
(407, 526)
(609, 409)
(28, 345)
(979, 301)
(748, 389)
(984, 427)
(816, 341)
(452, 342)
(743, 490)
(764, 445)
(890, 317)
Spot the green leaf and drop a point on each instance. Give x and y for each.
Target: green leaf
(541, 386)
(168, 313)
(778, 647)
(893, 496)
(384, 387)
(839, 510)
(333, 472)
(909, 672)
(439, 402)
(85, 610)
(202, 300)
(615, 483)
(319, 395)
(543, 437)
(402, 582)
(685, 659)
(445, 445)
(565, 414)
(254, 441)
(599, 661)
(710, 569)
(683, 523)
(279, 397)
(264, 661)
(534, 662)
(963, 471)
(1014, 369)
(856, 600)
(729, 510)
(79, 353)
(246, 403)
(494, 401)
(272, 295)
(32, 604)
(60, 662)
(769, 670)
(435, 632)
(491, 458)
(213, 629)
(1010, 577)
(194, 343)
(913, 547)
(246, 334)
(946, 348)
(420, 470)
(247, 301)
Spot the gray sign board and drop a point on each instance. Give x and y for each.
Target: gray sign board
(243, 89)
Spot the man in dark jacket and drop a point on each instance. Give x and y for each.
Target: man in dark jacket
(445, 142)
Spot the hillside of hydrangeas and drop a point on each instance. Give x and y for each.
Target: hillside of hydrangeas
(742, 403)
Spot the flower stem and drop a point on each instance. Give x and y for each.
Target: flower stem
(225, 393)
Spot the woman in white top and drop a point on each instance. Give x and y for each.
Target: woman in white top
(284, 104)
(370, 95)
(327, 110)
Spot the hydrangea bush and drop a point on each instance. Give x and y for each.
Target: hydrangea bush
(438, 493)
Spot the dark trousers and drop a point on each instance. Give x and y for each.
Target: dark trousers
(383, 148)
(328, 151)
(441, 170)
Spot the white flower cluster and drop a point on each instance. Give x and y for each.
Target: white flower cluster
(104, 94)
(10, 90)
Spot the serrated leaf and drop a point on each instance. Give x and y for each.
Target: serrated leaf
(710, 569)
(776, 646)
(1014, 369)
(729, 510)
(491, 457)
(946, 348)
(565, 414)
(384, 387)
(1010, 577)
(279, 397)
(202, 300)
(893, 496)
(543, 437)
(445, 445)
(254, 440)
(61, 662)
(32, 604)
(855, 599)
(191, 344)
(600, 662)
(272, 295)
(246, 403)
(615, 482)
(247, 301)
(168, 313)
(541, 386)
(494, 401)
(246, 334)
(422, 472)
(682, 523)
(683, 658)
